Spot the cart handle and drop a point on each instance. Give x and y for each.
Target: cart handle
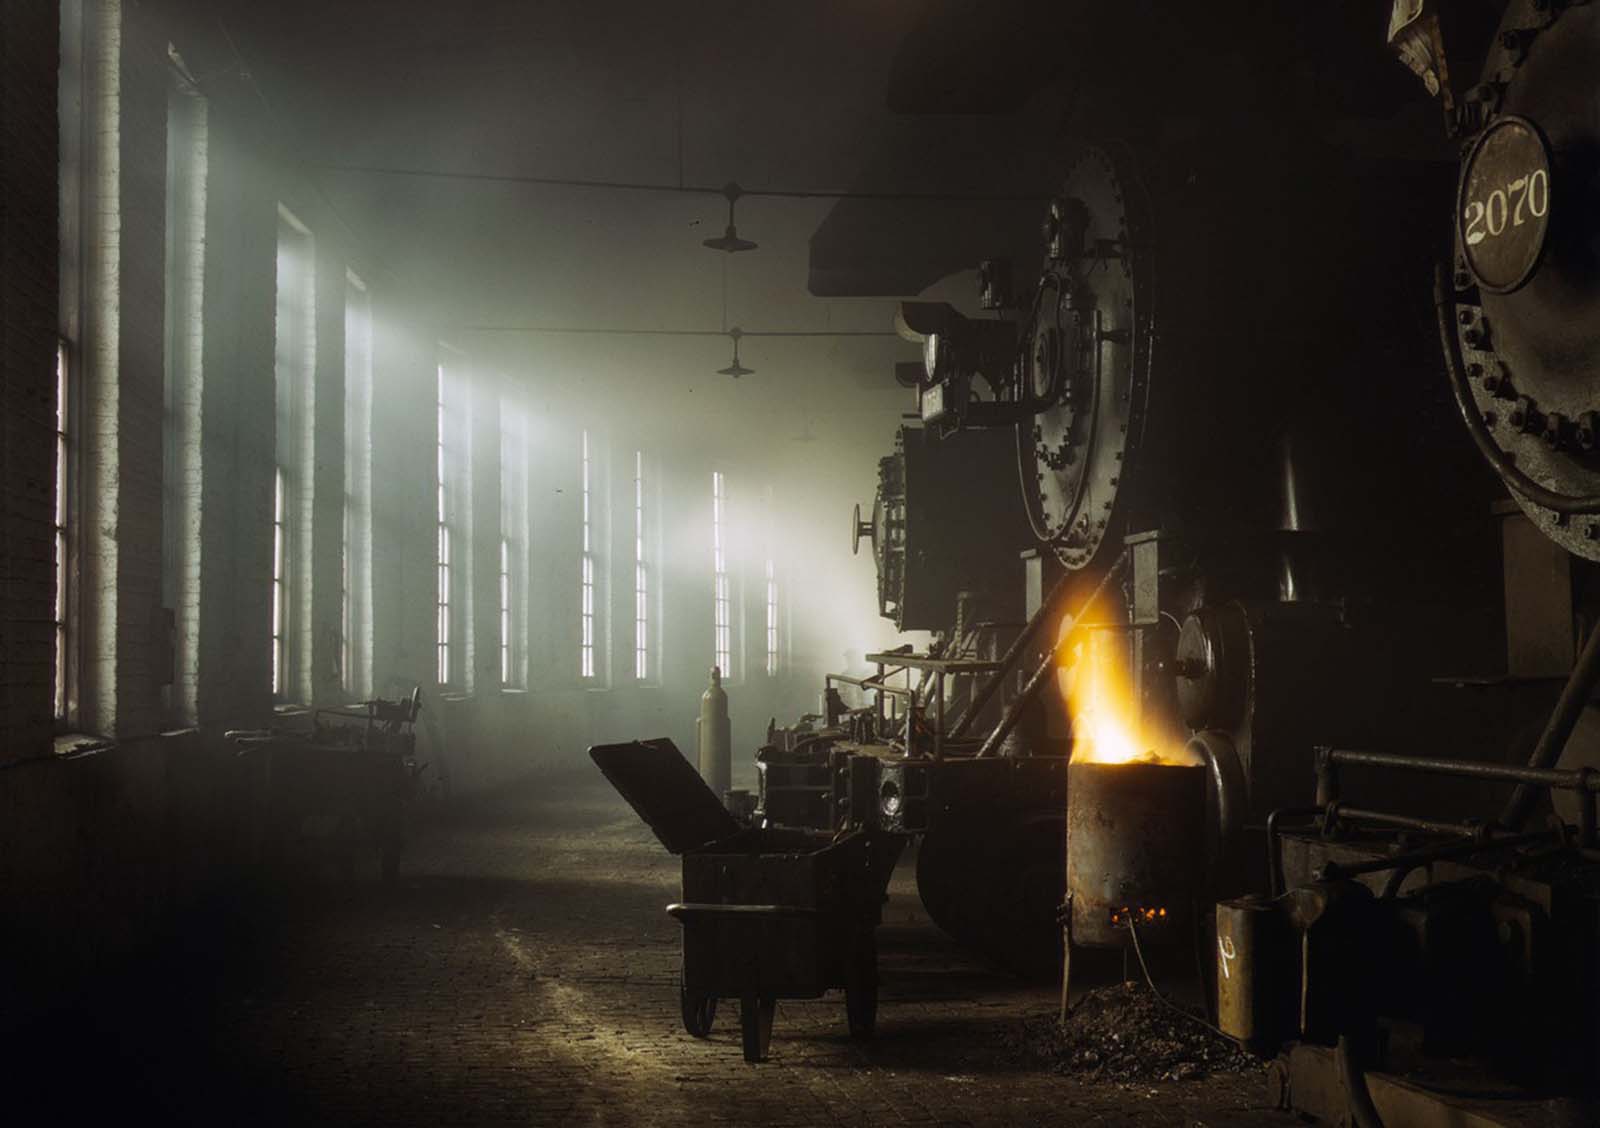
(688, 911)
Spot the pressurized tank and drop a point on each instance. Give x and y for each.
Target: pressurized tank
(715, 737)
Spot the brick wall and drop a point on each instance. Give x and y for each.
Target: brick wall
(185, 461)
(143, 648)
(328, 464)
(125, 656)
(240, 432)
(403, 506)
(28, 327)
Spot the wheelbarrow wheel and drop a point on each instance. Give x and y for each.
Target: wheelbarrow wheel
(699, 1011)
(755, 1023)
(861, 992)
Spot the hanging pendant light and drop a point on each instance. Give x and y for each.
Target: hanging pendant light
(729, 240)
(735, 369)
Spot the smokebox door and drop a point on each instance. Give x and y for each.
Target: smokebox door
(666, 792)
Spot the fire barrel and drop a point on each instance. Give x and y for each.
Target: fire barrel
(1136, 850)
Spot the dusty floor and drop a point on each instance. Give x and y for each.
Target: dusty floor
(522, 971)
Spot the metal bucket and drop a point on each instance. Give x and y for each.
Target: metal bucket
(1136, 851)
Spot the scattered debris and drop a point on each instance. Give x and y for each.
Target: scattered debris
(1124, 1033)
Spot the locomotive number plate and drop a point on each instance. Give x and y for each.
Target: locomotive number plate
(1503, 205)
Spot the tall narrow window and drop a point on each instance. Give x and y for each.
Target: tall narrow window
(278, 581)
(294, 368)
(586, 663)
(505, 611)
(772, 620)
(641, 576)
(513, 547)
(723, 607)
(355, 651)
(63, 512)
(442, 617)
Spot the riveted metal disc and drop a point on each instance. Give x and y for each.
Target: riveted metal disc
(1088, 344)
(1503, 204)
(1531, 350)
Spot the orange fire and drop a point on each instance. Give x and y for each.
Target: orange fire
(1105, 720)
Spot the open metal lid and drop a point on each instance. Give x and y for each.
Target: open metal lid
(666, 792)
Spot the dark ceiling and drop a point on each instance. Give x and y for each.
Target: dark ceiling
(770, 95)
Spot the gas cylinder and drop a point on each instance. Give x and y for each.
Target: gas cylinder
(715, 737)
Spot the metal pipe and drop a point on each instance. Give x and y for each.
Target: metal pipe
(1574, 697)
(1020, 643)
(1506, 773)
(1013, 713)
(869, 683)
(1409, 822)
(1334, 871)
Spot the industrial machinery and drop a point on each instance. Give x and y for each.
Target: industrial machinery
(356, 768)
(1181, 392)
(1403, 966)
(1278, 668)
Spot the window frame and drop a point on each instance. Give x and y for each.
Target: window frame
(515, 536)
(774, 662)
(355, 565)
(643, 574)
(588, 594)
(294, 459)
(63, 675)
(442, 555)
(280, 582)
(507, 659)
(722, 650)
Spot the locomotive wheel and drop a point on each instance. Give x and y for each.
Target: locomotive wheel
(755, 1024)
(992, 880)
(861, 993)
(699, 1010)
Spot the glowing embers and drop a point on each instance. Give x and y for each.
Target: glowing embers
(1102, 707)
(1138, 915)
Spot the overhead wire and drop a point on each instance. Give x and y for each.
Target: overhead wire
(625, 331)
(680, 188)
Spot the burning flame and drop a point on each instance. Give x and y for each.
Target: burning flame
(1105, 720)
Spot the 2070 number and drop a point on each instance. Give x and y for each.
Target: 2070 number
(1510, 206)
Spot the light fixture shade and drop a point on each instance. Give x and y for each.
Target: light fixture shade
(729, 242)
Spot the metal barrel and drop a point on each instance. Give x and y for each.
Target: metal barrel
(1135, 850)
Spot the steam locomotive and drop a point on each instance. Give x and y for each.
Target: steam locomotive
(1203, 442)
(1215, 442)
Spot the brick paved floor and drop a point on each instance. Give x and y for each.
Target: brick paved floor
(523, 972)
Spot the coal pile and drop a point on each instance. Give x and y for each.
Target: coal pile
(1125, 1033)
